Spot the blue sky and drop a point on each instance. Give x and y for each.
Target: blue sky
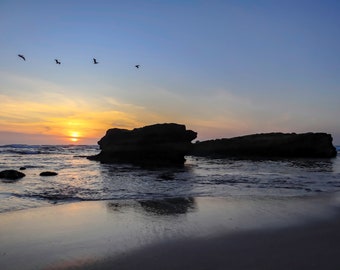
(222, 68)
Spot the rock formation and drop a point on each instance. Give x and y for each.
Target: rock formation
(312, 145)
(48, 173)
(152, 145)
(11, 174)
(168, 144)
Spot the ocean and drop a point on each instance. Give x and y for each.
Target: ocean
(80, 179)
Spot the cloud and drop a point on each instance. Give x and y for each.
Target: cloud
(36, 106)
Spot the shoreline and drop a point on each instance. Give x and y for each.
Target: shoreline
(182, 233)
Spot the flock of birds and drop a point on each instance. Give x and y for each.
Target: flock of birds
(58, 62)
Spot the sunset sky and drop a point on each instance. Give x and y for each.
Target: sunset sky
(222, 68)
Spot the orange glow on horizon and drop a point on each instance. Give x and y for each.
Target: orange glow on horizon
(65, 119)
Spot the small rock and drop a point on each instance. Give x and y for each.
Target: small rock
(22, 168)
(48, 173)
(11, 174)
(167, 176)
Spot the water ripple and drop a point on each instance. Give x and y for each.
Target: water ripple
(81, 179)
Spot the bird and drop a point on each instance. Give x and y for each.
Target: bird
(21, 56)
(57, 61)
(95, 61)
(137, 66)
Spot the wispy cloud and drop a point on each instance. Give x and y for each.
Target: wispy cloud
(38, 106)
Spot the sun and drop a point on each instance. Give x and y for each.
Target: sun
(74, 136)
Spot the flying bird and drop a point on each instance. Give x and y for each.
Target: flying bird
(137, 66)
(57, 61)
(21, 56)
(95, 61)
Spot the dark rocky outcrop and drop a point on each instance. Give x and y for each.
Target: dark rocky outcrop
(151, 145)
(11, 174)
(47, 173)
(281, 145)
(168, 144)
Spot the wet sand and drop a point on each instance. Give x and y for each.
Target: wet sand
(307, 247)
(185, 233)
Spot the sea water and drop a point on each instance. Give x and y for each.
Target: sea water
(80, 179)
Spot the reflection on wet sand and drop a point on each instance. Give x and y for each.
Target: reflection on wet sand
(170, 206)
(166, 206)
(73, 235)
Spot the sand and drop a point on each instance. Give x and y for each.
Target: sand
(310, 247)
(190, 233)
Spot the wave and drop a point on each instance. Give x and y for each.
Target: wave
(19, 146)
(24, 149)
(20, 149)
(53, 197)
(26, 152)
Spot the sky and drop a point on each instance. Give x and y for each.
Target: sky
(222, 68)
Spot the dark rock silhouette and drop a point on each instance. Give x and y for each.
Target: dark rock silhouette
(150, 145)
(47, 173)
(11, 174)
(312, 145)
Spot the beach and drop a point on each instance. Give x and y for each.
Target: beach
(169, 135)
(240, 232)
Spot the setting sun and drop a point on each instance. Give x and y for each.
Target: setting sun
(74, 136)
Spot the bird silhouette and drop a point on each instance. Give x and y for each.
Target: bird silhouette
(95, 61)
(137, 66)
(57, 61)
(21, 56)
